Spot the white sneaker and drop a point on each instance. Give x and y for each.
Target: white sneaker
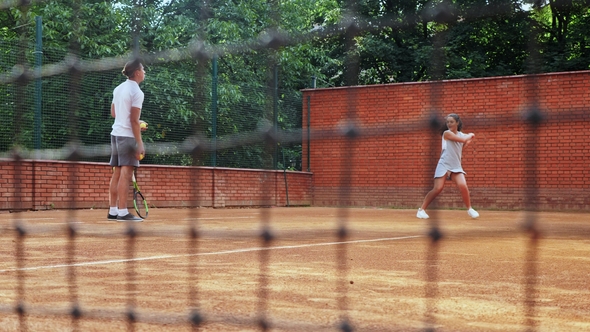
(422, 214)
(472, 213)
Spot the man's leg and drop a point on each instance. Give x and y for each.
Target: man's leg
(116, 172)
(123, 186)
(128, 161)
(113, 193)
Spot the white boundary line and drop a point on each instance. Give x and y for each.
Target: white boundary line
(224, 252)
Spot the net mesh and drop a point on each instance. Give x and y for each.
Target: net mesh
(189, 91)
(232, 118)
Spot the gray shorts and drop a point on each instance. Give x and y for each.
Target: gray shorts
(123, 151)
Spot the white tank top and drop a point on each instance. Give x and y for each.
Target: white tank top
(450, 157)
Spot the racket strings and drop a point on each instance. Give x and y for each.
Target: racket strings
(140, 204)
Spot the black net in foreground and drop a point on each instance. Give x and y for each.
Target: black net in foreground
(194, 235)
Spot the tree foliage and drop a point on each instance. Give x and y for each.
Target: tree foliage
(400, 41)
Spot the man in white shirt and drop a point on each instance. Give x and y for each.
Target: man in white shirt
(126, 142)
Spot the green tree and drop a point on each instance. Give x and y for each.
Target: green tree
(338, 42)
(565, 41)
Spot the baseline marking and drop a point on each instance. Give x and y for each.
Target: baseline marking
(219, 218)
(224, 252)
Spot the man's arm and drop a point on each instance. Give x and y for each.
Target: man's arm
(134, 119)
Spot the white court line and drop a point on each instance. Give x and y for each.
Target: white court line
(224, 252)
(220, 218)
(152, 220)
(27, 219)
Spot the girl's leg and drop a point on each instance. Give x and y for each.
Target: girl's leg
(439, 184)
(459, 179)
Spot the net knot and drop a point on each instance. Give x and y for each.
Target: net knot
(435, 234)
(196, 318)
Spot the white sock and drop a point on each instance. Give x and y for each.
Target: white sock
(123, 212)
(113, 211)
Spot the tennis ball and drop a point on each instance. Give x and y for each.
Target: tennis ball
(140, 156)
(143, 125)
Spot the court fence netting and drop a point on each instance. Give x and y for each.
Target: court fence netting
(73, 78)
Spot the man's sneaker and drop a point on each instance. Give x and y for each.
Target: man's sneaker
(129, 217)
(422, 214)
(472, 213)
(112, 216)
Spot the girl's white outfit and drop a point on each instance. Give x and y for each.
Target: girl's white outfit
(450, 157)
(450, 161)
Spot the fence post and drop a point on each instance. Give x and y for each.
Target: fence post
(308, 130)
(38, 81)
(214, 112)
(275, 110)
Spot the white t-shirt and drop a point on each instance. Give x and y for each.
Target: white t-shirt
(126, 95)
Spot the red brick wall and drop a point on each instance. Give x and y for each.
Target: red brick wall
(390, 165)
(393, 165)
(54, 184)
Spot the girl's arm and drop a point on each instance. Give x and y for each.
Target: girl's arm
(449, 135)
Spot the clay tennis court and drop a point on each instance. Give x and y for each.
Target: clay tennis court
(479, 278)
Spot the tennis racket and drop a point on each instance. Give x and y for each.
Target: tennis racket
(139, 202)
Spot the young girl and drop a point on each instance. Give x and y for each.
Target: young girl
(449, 165)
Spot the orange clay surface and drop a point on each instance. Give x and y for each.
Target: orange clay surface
(483, 275)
